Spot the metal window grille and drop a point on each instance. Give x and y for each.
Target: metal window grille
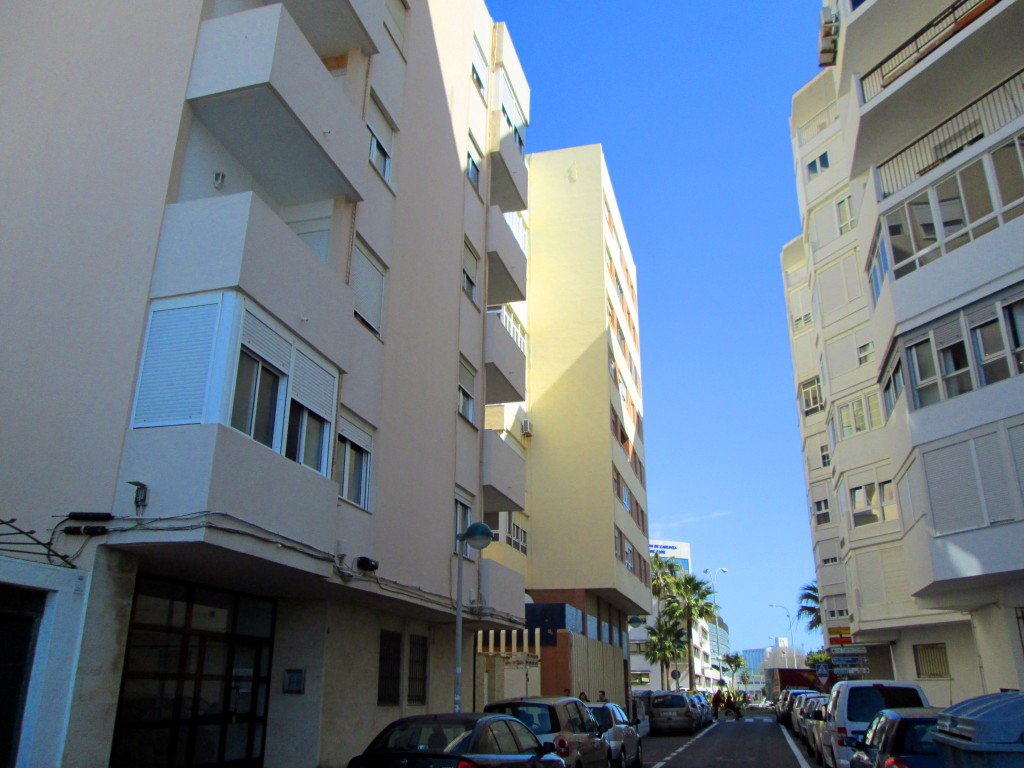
(930, 660)
(389, 674)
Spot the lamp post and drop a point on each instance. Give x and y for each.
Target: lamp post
(714, 602)
(477, 536)
(790, 638)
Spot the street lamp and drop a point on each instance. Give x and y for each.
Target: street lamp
(477, 536)
(790, 639)
(714, 602)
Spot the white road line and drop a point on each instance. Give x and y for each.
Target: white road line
(793, 746)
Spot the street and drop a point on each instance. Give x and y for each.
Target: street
(756, 740)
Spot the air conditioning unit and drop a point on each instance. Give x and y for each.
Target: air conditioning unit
(527, 427)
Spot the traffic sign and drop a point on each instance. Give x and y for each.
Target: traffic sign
(848, 650)
(822, 670)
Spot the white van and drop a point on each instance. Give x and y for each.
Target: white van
(852, 705)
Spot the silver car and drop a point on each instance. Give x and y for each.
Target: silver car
(566, 722)
(624, 743)
(673, 712)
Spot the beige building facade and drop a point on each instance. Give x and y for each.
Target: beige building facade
(905, 298)
(248, 252)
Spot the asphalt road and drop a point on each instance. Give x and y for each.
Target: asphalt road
(756, 741)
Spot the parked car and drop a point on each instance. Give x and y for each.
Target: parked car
(566, 722)
(801, 714)
(625, 746)
(457, 741)
(852, 705)
(785, 704)
(707, 714)
(815, 725)
(899, 737)
(673, 712)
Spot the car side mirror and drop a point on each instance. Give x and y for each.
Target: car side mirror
(635, 722)
(547, 748)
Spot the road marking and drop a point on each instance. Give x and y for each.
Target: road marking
(688, 743)
(792, 745)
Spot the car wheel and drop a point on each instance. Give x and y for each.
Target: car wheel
(639, 762)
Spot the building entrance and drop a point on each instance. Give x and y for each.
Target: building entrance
(20, 613)
(196, 678)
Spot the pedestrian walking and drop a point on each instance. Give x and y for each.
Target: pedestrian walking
(583, 696)
(601, 696)
(730, 706)
(716, 701)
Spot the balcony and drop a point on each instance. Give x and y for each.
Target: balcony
(985, 52)
(504, 357)
(506, 259)
(259, 86)
(334, 27)
(997, 108)
(237, 241)
(954, 19)
(504, 475)
(509, 176)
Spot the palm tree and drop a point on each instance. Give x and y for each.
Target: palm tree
(693, 597)
(735, 662)
(665, 643)
(810, 609)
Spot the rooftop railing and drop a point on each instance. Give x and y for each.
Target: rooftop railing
(999, 107)
(956, 17)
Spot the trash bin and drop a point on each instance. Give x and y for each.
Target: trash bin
(983, 732)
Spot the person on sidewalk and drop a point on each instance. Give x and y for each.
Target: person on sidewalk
(730, 706)
(716, 702)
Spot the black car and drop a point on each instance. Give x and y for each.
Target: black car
(457, 741)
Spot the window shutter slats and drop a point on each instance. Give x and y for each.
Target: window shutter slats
(266, 342)
(313, 386)
(172, 383)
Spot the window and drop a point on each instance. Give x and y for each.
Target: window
(467, 384)
(473, 165)
(930, 660)
(872, 503)
(417, 670)
(470, 264)
(352, 465)
(860, 415)
(389, 670)
(990, 352)
(817, 165)
(381, 138)
(307, 435)
(956, 372)
(829, 560)
(847, 219)
(893, 388)
(826, 455)
(810, 396)
(1015, 323)
(368, 285)
(822, 514)
(515, 535)
(478, 72)
(923, 376)
(618, 544)
(878, 268)
(257, 401)
(627, 555)
(394, 21)
(1010, 180)
(866, 353)
(463, 519)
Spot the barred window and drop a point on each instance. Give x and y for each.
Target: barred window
(930, 660)
(389, 674)
(417, 669)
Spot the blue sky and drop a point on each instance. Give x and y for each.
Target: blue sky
(691, 103)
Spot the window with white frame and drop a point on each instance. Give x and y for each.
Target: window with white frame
(817, 165)
(467, 386)
(470, 265)
(847, 218)
(368, 285)
(352, 462)
(878, 267)
(395, 21)
(513, 116)
(860, 415)
(1014, 318)
(865, 353)
(893, 388)
(872, 503)
(515, 534)
(463, 519)
(822, 514)
(478, 72)
(266, 384)
(810, 396)
(473, 160)
(826, 455)
(923, 373)
(381, 139)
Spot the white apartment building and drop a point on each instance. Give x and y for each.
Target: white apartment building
(905, 297)
(246, 256)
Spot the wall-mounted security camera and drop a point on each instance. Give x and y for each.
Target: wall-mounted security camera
(364, 563)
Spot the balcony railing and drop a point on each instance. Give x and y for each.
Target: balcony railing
(955, 18)
(512, 325)
(518, 227)
(1000, 106)
(820, 122)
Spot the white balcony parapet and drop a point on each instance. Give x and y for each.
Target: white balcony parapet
(512, 325)
(817, 124)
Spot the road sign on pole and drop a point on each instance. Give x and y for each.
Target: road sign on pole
(822, 670)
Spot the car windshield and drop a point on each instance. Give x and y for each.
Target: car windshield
(424, 736)
(603, 716)
(866, 701)
(539, 718)
(671, 700)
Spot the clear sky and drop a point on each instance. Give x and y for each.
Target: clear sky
(691, 102)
